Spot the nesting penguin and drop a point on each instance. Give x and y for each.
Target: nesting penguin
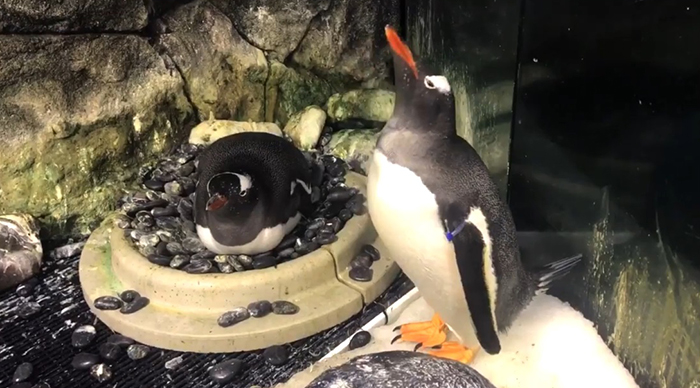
(437, 210)
(251, 192)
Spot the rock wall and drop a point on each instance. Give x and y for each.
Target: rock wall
(91, 90)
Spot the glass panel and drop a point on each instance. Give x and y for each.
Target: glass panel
(605, 161)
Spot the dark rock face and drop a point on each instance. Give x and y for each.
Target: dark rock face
(273, 25)
(401, 369)
(72, 15)
(20, 250)
(224, 73)
(348, 40)
(80, 112)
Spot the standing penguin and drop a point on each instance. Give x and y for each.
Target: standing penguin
(434, 205)
(252, 188)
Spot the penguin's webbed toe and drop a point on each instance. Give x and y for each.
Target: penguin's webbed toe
(426, 334)
(455, 351)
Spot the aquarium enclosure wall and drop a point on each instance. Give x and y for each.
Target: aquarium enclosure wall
(587, 116)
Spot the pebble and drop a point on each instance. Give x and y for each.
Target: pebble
(27, 309)
(120, 340)
(157, 259)
(198, 266)
(361, 261)
(109, 351)
(276, 355)
(246, 261)
(175, 248)
(266, 261)
(306, 247)
(168, 211)
(371, 251)
(67, 251)
(361, 274)
(137, 351)
(260, 308)
(83, 361)
(205, 254)
(233, 260)
(192, 245)
(283, 307)
(345, 214)
(23, 371)
(83, 336)
(101, 372)
(225, 268)
(122, 222)
(173, 363)
(233, 317)
(339, 194)
(286, 252)
(128, 296)
(149, 240)
(135, 306)
(179, 261)
(153, 184)
(174, 188)
(25, 289)
(108, 303)
(326, 238)
(225, 371)
(360, 339)
(184, 208)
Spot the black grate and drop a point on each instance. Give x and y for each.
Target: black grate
(44, 340)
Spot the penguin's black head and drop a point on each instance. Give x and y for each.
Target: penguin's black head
(421, 94)
(230, 191)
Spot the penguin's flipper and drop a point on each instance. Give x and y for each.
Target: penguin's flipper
(554, 271)
(426, 334)
(474, 255)
(455, 351)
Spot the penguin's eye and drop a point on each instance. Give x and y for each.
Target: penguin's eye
(243, 193)
(428, 83)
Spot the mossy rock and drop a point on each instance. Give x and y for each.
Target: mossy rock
(366, 104)
(81, 114)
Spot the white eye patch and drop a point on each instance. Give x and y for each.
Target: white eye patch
(438, 82)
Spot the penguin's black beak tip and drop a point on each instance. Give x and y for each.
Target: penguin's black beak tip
(400, 49)
(217, 201)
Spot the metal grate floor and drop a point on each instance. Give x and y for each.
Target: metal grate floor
(44, 341)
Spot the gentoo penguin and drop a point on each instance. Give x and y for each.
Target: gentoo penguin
(437, 210)
(251, 188)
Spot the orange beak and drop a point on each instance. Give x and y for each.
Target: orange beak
(400, 48)
(216, 202)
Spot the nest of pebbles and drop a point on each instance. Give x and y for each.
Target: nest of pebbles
(158, 220)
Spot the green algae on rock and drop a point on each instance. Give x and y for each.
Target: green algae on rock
(367, 104)
(355, 146)
(81, 113)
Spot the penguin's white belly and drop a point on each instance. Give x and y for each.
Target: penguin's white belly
(406, 216)
(266, 240)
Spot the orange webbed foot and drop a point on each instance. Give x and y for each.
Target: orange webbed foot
(455, 351)
(426, 334)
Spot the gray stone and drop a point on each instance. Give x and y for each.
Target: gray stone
(225, 75)
(81, 113)
(273, 25)
(367, 104)
(72, 15)
(348, 40)
(355, 146)
(20, 249)
(305, 127)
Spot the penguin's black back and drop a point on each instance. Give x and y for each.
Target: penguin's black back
(271, 161)
(453, 171)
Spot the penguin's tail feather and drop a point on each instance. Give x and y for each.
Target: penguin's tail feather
(554, 271)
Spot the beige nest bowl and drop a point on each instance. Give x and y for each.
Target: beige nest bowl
(184, 308)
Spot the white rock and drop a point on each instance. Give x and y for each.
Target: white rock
(20, 249)
(305, 127)
(212, 130)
